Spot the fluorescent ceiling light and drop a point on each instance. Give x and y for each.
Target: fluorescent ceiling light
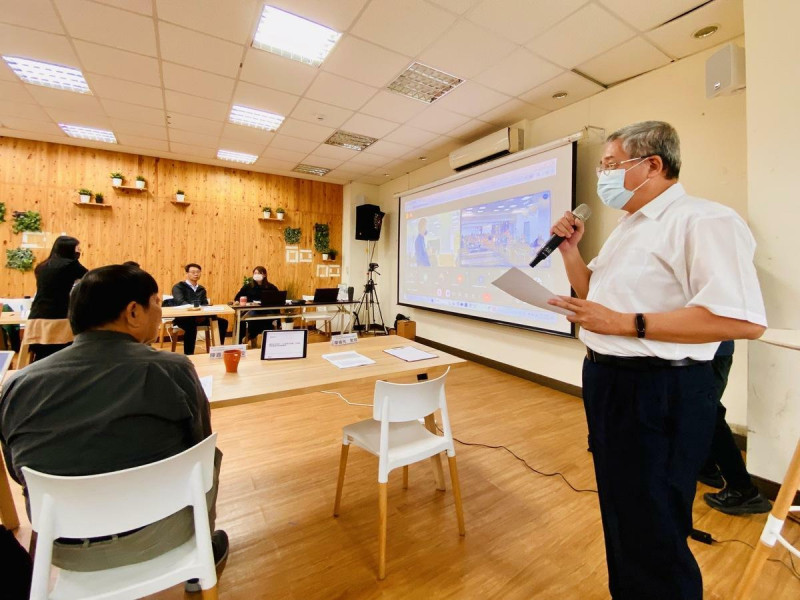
(311, 170)
(352, 141)
(240, 157)
(424, 83)
(89, 133)
(48, 75)
(250, 117)
(296, 38)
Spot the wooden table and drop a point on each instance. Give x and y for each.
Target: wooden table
(296, 310)
(213, 310)
(11, 318)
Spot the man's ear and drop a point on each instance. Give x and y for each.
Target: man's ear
(132, 310)
(655, 164)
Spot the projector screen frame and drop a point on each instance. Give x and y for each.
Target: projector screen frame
(573, 140)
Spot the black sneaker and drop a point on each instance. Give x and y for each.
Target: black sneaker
(220, 546)
(737, 502)
(712, 478)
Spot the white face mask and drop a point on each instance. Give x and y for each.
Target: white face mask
(258, 277)
(611, 187)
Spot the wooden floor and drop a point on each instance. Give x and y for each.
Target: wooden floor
(528, 536)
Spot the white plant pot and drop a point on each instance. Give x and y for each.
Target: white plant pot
(324, 257)
(140, 184)
(116, 181)
(180, 197)
(287, 325)
(267, 214)
(85, 198)
(280, 216)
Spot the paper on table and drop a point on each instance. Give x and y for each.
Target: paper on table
(210, 308)
(345, 360)
(206, 383)
(409, 353)
(515, 283)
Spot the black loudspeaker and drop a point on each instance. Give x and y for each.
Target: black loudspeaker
(368, 222)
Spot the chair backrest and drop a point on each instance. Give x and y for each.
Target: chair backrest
(397, 402)
(109, 503)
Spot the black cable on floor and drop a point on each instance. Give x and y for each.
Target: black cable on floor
(792, 569)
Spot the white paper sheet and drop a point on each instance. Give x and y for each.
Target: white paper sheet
(206, 382)
(346, 360)
(515, 283)
(409, 353)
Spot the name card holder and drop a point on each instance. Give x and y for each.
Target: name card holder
(344, 339)
(217, 351)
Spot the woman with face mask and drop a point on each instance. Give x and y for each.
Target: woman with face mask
(252, 291)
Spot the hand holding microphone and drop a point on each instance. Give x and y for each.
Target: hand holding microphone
(568, 229)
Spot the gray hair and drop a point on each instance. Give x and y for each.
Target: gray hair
(652, 138)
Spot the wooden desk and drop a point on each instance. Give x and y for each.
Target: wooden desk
(346, 307)
(214, 310)
(11, 318)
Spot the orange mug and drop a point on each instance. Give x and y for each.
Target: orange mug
(231, 359)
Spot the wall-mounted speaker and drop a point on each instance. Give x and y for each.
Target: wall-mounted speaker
(369, 219)
(725, 71)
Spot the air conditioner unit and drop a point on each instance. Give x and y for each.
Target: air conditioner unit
(500, 143)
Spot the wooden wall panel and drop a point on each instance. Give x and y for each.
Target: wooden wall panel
(219, 229)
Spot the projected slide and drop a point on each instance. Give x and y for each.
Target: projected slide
(460, 235)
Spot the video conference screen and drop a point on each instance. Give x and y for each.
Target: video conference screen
(458, 236)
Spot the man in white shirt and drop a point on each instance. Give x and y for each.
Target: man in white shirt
(673, 279)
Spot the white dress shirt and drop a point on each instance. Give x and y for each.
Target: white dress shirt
(676, 251)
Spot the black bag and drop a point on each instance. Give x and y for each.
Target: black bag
(16, 567)
(400, 317)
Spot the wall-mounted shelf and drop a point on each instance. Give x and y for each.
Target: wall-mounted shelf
(184, 203)
(93, 204)
(272, 219)
(132, 188)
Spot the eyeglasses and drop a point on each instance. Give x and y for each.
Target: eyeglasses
(613, 166)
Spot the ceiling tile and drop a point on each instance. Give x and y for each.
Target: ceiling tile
(87, 118)
(322, 161)
(517, 73)
(337, 15)
(364, 62)
(337, 152)
(235, 21)
(456, 6)
(287, 155)
(15, 91)
(255, 96)
(371, 180)
(125, 91)
(342, 175)
(471, 99)
(247, 134)
(473, 130)
(511, 112)
(466, 50)
(17, 41)
(305, 130)
(292, 143)
(371, 160)
(197, 83)
(623, 62)
(438, 120)
(144, 7)
(193, 138)
(357, 169)
(190, 150)
(118, 63)
(238, 145)
(12, 108)
(367, 125)
(203, 52)
(310, 110)
(63, 99)
(646, 15)
(577, 88)
(36, 14)
(676, 38)
(407, 27)
(128, 139)
(190, 123)
(389, 149)
(158, 132)
(33, 126)
(410, 136)
(332, 89)
(7, 74)
(133, 112)
(277, 72)
(388, 105)
(197, 107)
(522, 20)
(106, 25)
(274, 164)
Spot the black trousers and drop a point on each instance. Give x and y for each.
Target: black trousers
(725, 454)
(189, 326)
(650, 432)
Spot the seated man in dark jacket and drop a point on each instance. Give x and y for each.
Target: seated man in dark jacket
(109, 402)
(191, 292)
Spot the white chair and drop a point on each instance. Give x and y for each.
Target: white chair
(397, 437)
(105, 504)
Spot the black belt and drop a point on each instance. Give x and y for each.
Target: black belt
(640, 363)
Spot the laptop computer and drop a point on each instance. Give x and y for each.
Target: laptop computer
(326, 295)
(273, 298)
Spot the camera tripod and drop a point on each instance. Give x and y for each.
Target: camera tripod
(369, 301)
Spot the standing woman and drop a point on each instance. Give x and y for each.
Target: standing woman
(47, 330)
(252, 290)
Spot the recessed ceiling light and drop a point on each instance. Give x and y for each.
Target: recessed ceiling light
(293, 37)
(706, 31)
(311, 170)
(352, 141)
(250, 117)
(560, 95)
(424, 83)
(240, 157)
(48, 75)
(89, 133)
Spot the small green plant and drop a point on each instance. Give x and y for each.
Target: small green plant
(292, 235)
(332, 253)
(117, 175)
(266, 209)
(28, 220)
(279, 210)
(322, 237)
(247, 281)
(20, 259)
(98, 197)
(84, 192)
(179, 192)
(2, 212)
(140, 178)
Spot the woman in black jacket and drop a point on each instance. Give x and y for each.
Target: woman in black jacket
(252, 290)
(47, 328)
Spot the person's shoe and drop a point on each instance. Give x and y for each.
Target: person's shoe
(737, 502)
(220, 546)
(712, 478)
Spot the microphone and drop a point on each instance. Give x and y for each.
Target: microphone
(583, 212)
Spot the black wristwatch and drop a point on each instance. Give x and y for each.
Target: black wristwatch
(640, 327)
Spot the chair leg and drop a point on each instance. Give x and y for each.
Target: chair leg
(382, 515)
(208, 336)
(451, 460)
(174, 339)
(436, 461)
(209, 594)
(405, 477)
(340, 482)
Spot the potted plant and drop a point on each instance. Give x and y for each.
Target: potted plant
(86, 195)
(332, 253)
(140, 182)
(267, 211)
(279, 213)
(291, 235)
(116, 178)
(322, 239)
(180, 196)
(98, 198)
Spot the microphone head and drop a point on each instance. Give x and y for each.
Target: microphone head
(582, 212)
